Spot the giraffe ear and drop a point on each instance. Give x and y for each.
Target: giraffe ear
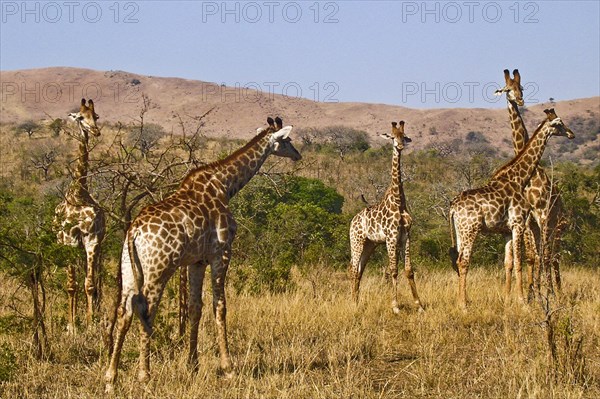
(72, 116)
(282, 133)
(386, 136)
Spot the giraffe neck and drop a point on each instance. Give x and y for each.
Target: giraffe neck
(522, 167)
(78, 191)
(519, 131)
(396, 190)
(235, 171)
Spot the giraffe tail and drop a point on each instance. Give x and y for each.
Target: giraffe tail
(139, 302)
(453, 251)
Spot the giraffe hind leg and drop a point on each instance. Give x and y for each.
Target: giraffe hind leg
(218, 273)
(359, 261)
(122, 324)
(409, 274)
(196, 278)
(72, 294)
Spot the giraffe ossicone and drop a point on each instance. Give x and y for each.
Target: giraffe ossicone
(192, 227)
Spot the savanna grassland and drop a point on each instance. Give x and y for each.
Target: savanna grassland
(314, 342)
(293, 330)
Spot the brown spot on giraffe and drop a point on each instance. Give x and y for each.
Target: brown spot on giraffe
(386, 222)
(498, 204)
(200, 235)
(80, 222)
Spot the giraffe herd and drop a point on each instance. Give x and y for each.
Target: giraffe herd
(194, 227)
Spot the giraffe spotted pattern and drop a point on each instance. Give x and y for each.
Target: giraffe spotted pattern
(193, 227)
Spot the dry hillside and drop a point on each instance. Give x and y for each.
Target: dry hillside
(51, 92)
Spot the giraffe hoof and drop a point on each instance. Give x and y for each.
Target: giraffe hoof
(143, 377)
(109, 388)
(226, 374)
(229, 375)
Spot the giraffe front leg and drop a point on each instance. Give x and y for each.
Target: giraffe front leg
(531, 236)
(410, 276)
(392, 249)
(72, 294)
(218, 273)
(508, 268)
(196, 279)
(91, 284)
(517, 239)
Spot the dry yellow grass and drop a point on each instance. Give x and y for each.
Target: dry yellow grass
(315, 343)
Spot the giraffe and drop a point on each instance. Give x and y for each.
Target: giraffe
(79, 220)
(386, 222)
(193, 227)
(544, 226)
(500, 202)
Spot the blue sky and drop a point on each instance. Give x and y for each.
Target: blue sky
(412, 53)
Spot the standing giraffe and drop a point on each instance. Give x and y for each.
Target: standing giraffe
(387, 222)
(501, 201)
(192, 227)
(80, 222)
(544, 226)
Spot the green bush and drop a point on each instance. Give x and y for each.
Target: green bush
(286, 222)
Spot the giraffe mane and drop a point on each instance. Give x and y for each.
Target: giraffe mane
(235, 154)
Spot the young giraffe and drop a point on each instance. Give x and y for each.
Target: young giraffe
(489, 208)
(80, 222)
(387, 222)
(192, 227)
(546, 220)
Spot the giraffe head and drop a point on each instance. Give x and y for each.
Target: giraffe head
(513, 88)
(397, 135)
(86, 117)
(557, 125)
(281, 143)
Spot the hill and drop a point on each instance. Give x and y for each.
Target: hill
(52, 92)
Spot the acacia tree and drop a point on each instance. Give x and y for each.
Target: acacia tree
(132, 171)
(29, 127)
(43, 159)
